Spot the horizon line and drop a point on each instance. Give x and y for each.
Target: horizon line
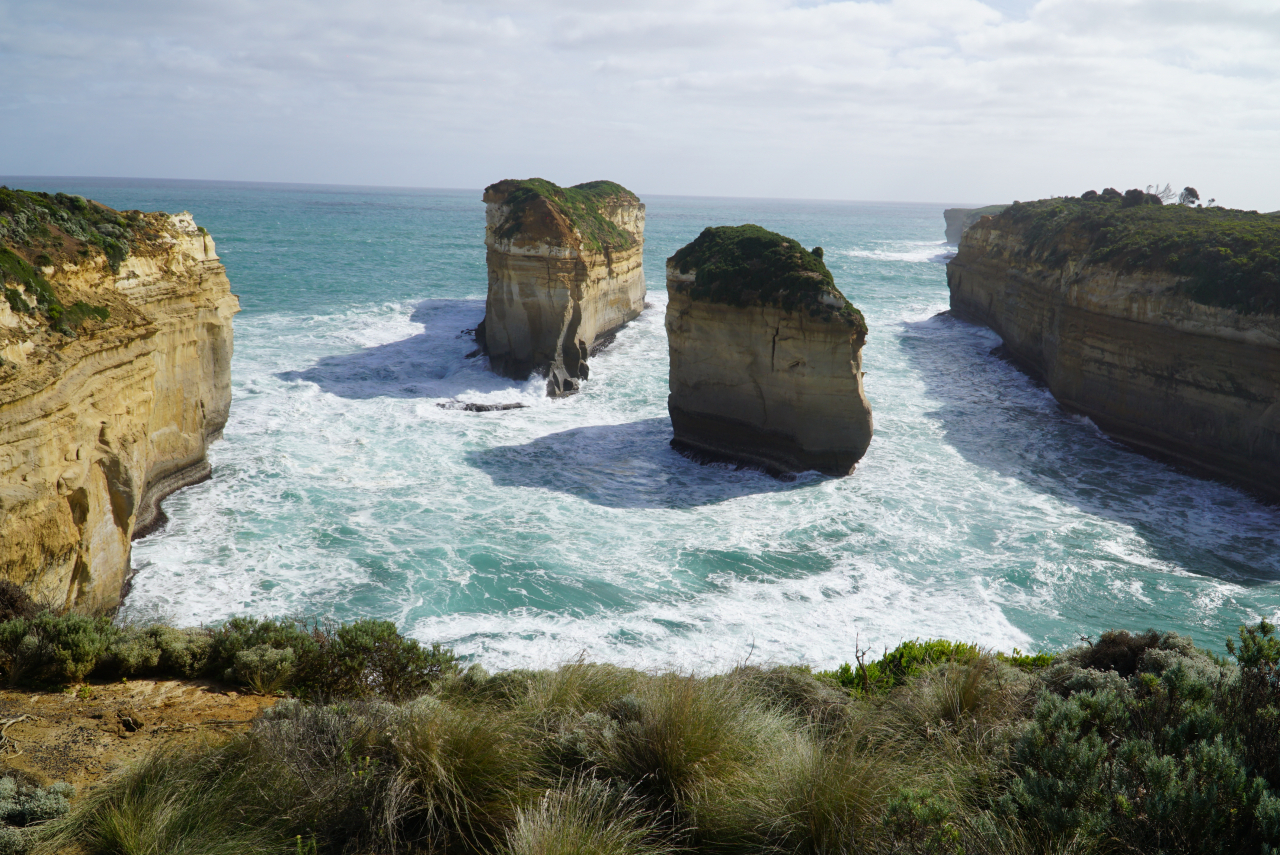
(303, 184)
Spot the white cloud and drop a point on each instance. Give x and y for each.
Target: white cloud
(941, 100)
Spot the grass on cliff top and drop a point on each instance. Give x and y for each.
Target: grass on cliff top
(1224, 257)
(580, 204)
(29, 219)
(751, 266)
(1131, 743)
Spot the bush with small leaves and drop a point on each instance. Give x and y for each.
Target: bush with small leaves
(51, 648)
(264, 669)
(24, 805)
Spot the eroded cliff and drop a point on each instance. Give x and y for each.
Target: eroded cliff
(766, 355)
(959, 220)
(115, 336)
(565, 271)
(1161, 323)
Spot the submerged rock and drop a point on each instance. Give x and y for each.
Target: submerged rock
(565, 271)
(766, 365)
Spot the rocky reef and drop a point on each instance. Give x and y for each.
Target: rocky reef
(115, 354)
(766, 365)
(1159, 322)
(960, 219)
(565, 271)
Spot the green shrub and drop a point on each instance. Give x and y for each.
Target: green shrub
(53, 648)
(369, 658)
(156, 651)
(1175, 757)
(23, 805)
(919, 821)
(908, 660)
(264, 669)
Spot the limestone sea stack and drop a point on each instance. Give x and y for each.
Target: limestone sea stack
(766, 364)
(565, 271)
(115, 357)
(1161, 323)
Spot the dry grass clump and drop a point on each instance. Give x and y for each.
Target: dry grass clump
(583, 817)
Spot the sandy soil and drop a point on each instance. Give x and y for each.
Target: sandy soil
(84, 733)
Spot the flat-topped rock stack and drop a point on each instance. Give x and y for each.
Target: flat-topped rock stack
(766, 365)
(565, 271)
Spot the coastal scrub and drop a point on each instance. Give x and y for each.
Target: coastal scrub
(751, 266)
(1130, 743)
(582, 205)
(1225, 257)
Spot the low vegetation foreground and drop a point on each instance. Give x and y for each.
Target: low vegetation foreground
(1130, 743)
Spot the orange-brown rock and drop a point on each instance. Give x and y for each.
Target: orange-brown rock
(565, 271)
(766, 355)
(99, 422)
(1099, 308)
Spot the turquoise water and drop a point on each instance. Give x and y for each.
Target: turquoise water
(528, 537)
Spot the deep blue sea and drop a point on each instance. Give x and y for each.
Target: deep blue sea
(341, 489)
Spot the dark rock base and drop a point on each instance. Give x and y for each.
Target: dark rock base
(715, 439)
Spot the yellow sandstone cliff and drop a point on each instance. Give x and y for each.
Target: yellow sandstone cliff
(766, 355)
(565, 271)
(103, 415)
(1122, 313)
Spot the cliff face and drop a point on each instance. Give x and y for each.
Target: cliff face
(565, 270)
(102, 419)
(1116, 334)
(960, 219)
(764, 371)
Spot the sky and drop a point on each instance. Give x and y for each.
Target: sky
(950, 101)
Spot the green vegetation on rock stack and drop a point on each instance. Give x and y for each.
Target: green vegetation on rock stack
(580, 204)
(1227, 258)
(751, 266)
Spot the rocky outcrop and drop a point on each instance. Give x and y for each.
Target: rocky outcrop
(958, 220)
(1157, 322)
(766, 365)
(116, 346)
(565, 271)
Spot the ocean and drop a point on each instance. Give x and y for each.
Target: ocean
(342, 489)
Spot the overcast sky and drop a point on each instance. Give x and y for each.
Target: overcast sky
(915, 100)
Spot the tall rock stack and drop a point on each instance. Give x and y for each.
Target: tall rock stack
(565, 271)
(115, 375)
(1161, 323)
(766, 365)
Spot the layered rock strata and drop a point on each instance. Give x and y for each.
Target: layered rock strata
(766, 364)
(565, 271)
(958, 220)
(116, 342)
(1160, 323)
